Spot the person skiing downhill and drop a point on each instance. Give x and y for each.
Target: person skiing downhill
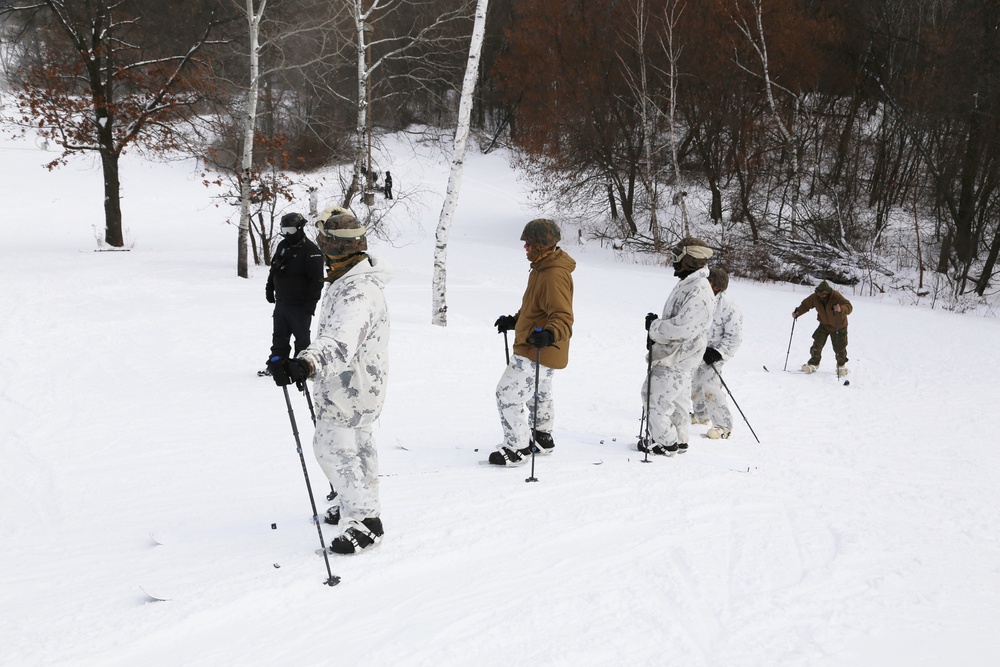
(542, 328)
(724, 337)
(294, 285)
(348, 363)
(676, 342)
(832, 310)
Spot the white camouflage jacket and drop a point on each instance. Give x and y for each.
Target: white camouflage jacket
(726, 332)
(679, 335)
(350, 354)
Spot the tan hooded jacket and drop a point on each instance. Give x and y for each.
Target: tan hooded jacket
(830, 320)
(547, 304)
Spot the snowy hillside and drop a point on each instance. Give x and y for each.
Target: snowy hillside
(866, 532)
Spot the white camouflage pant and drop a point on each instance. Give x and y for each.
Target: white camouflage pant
(349, 460)
(709, 396)
(515, 392)
(669, 405)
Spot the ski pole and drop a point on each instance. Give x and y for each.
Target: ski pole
(534, 419)
(506, 347)
(789, 347)
(309, 401)
(645, 414)
(734, 402)
(332, 580)
(312, 413)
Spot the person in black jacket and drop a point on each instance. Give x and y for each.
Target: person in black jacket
(294, 286)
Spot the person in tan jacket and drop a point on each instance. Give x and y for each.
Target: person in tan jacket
(542, 331)
(832, 310)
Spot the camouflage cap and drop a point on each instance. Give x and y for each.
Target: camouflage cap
(340, 233)
(691, 253)
(719, 279)
(541, 232)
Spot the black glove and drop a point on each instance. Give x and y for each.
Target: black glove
(541, 338)
(649, 319)
(298, 371)
(286, 371)
(269, 295)
(276, 366)
(711, 356)
(505, 323)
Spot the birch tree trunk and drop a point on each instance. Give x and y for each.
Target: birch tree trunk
(671, 14)
(758, 42)
(249, 127)
(439, 306)
(649, 176)
(361, 30)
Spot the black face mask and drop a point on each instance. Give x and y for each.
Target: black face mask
(681, 272)
(294, 237)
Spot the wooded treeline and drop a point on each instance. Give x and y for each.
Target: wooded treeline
(812, 124)
(816, 129)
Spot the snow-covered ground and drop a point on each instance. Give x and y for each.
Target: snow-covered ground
(867, 531)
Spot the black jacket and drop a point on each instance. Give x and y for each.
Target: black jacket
(296, 276)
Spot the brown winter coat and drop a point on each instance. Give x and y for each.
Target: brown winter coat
(547, 304)
(829, 320)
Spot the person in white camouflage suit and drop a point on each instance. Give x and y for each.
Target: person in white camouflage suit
(724, 337)
(348, 363)
(676, 341)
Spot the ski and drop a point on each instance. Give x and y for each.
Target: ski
(845, 383)
(154, 595)
(168, 537)
(695, 456)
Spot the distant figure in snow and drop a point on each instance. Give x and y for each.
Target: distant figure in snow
(676, 342)
(832, 310)
(348, 363)
(724, 337)
(542, 329)
(388, 185)
(294, 285)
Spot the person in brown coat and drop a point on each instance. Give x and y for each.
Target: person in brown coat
(832, 310)
(542, 330)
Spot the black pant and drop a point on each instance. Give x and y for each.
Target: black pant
(290, 320)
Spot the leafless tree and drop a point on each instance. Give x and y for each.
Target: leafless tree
(90, 77)
(439, 305)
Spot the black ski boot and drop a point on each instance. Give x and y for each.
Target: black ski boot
(359, 537)
(542, 442)
(505, 456)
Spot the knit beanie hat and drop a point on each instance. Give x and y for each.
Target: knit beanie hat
(541, 232)
(823, 287)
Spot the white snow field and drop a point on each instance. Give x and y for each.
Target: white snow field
(866, 532)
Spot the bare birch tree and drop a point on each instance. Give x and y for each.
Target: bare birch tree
(439, 306)
(753, 29)
(639, 84)
(374, 51)
(671, 15)
(254, 17)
